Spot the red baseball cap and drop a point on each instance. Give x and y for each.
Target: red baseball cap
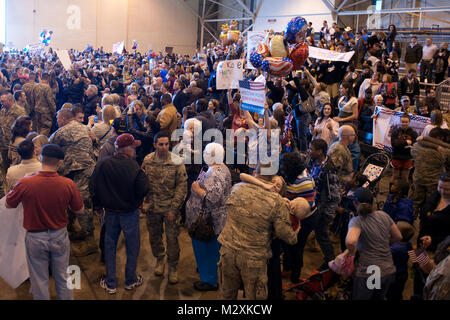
(126, 140)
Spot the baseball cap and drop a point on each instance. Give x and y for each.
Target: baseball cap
(363, 195)
(126, 140)
(120, 125)
(405, 98)
(52, 151)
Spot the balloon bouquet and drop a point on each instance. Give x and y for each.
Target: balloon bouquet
(230, 33)
(281, 54)
(46, 37)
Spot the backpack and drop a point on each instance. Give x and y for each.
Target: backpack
(308, 105)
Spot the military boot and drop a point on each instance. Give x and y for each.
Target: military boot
(173, 275)
(87, 247)
(159, 268)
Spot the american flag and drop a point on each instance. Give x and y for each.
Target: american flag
(419, 256)
(253, 95)
(251, 85)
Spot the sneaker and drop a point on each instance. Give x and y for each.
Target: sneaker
(105, 286)
(139, 282)
(159, 268)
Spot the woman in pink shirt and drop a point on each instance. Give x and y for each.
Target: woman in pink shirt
(325, 127)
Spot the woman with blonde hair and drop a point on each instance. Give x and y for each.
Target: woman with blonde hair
(102, 130)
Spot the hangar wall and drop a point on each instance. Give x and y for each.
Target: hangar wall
(161, 23)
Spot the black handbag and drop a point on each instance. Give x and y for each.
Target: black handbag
(202, 230)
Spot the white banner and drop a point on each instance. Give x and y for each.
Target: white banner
(229, 73)
(64, 57)
(387, 120)
(254, 38)
(13, 258)
(328, 55)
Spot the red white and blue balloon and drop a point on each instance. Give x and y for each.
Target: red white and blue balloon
(295, 30)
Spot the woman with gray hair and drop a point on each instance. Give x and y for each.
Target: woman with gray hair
(209, 193)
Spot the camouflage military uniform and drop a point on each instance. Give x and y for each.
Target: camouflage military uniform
(28, 88)
(44, 108)
(253, 214)
(78, 165)
(341, 159)
(168, 189)
(7, 118)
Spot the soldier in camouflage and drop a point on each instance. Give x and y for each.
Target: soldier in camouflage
(28, 88)
(253, 214)
(79, 163)
(168, 188)
(340, 155)
(9, 113)
(44, 106)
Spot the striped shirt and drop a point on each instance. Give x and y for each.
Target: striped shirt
(304, 187)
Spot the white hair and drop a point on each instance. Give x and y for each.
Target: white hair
(213, 153)
(195, 122)
(377, 97)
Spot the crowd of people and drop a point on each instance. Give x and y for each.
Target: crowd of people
(97, 141)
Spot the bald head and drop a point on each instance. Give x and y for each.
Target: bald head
(347, 135)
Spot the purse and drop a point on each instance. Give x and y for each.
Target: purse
(202, 230)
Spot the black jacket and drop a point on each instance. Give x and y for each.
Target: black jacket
(275, 93)
(118, 184)
(433, 223)
(400, 151)
(180, 101)
(90, 106)
(414, 54)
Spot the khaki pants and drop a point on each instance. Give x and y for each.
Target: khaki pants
(421, 194)
(411, 66)
(333, 90)
(235, 269)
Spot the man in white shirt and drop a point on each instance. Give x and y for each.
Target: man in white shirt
(426, 65)
(29, 165)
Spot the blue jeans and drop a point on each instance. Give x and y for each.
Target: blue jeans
(302, 131)
(296, 250)
(115, 223)
(207, 256)
(44, 249)
(361, 292)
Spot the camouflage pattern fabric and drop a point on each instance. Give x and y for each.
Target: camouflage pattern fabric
(44, 108)
(252, 215)
(341, 159)
(158, 223)
(74, 139)
(7, 118)
(236, 269)
(168, 184)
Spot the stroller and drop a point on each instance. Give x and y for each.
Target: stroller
(374, 168)
(322, 285)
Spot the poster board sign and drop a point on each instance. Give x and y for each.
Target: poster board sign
(229, 73)
(64, 57)
(254, 38)
(253, 95)
(13, 258)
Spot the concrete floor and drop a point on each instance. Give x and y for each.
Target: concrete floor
(158, 288)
